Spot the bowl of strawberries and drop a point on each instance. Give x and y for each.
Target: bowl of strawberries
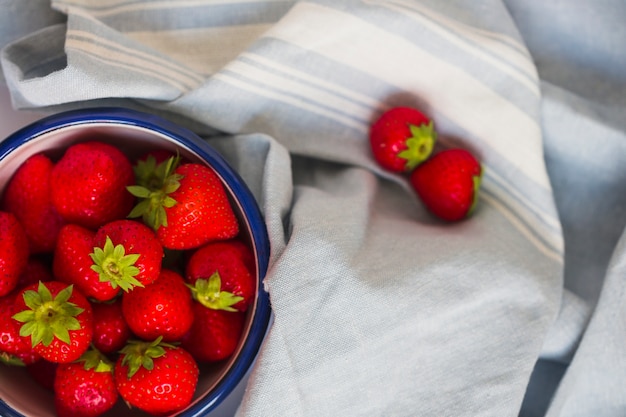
(132, 257)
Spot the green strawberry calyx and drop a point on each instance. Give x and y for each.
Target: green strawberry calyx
(10, 360)
(420, 145)
(139, 354)
(208, 292)
(48, 317)
(477, 181)
(96, 360)
(154, 184)
(114, 266)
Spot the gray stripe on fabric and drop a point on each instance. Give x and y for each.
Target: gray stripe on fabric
(140, 16)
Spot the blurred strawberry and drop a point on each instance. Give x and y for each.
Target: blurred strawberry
(85, 388)
(13, 252)
(110, 330)
(28, 196)
(402, 138)
(89, 184)
(43, 372)
(448, 183)
(37, 269)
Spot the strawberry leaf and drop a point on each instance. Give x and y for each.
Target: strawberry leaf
(114, 266)
(154, 184)
(140, 354)
(420, 145)
(11, 360)
(47, 317)
(209, 294)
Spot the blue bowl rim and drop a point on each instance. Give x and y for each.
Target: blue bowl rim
(249, 206)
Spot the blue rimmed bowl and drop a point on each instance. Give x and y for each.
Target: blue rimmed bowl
(135, 133)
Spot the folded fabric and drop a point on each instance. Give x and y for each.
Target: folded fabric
(379, 308)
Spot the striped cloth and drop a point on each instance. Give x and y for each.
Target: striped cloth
(380, 310)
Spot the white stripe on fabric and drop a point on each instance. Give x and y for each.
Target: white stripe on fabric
(515, 60)
(462, 101)
(205, 50)
(133, 59)
(118, 7)
(253, 86)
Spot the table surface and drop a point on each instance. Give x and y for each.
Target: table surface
(12, 120)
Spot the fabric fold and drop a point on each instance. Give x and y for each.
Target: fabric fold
(380, 309)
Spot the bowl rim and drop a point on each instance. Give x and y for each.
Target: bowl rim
(249, 206)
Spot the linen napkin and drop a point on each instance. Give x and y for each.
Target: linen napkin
(379, 308)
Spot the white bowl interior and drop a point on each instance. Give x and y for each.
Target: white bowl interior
(17, 388)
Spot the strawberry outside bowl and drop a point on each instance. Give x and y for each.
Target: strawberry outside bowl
(134, 133)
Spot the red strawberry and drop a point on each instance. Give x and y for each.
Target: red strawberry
(214, 335)
(155, 377)
(14, 349)
(43, 372)
(110, 331)
(13, 252)
(72, 263)
(36, 270)
(57, 318)
(448, 183)
(402, 138)
(28, 196)
(85, 388)
(89, 184)
(190, 209)
(162, 308)
(221, 277)
(127, 253)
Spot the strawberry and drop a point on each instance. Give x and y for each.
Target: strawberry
(89, 184)
(28, 196)
(36, 270)
(162, 308)
(402, 138)
(43, 372)
(220, 276)
(127, 254)
(14, 252)
(448, 183)
(110, 331)
(190, 208)
(57, 318)
(72, 263)
(156, 377)
(214, 335)
(85, 388)
(14, 349)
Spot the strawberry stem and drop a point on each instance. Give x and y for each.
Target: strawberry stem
(477, 179)
(114, 266)
(138, 354)
(154, 184)
(419, 146)
(48, 317)
(209, 294)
